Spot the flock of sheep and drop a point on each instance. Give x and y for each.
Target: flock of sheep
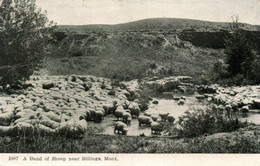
(233, 99)
(148, 118)
(64, 104)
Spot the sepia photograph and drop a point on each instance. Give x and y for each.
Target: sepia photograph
(129, 78)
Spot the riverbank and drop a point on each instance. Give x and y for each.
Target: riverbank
(243, 141)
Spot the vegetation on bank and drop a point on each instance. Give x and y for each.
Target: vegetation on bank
(127, 144)
(199, 121)
(241, 65)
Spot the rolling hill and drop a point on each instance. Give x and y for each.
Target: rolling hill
(155, 24)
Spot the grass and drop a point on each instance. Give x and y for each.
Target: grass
(127, 144)
(124, 57)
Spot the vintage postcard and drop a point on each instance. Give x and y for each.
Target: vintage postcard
(130, 82)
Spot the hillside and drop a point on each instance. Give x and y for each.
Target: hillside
(130, 56)
(155, 24)
(151, 47)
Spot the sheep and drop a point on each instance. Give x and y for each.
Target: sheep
(163, 116)
(228, 108)
(25, 129)
(49, 123)
(145, 120)
(181, 102)
(176, 98)
(135, 110)
(127, 117)
(88, 114)
(183, 97)
(6, 117)
(109, 108)
(126, 104)
(119, 113)
(245, 109)
(120, 127)
(44, 130)
(148, 114)
(53, 116)
(72, 128)
(234, 106)
(156, 128)
(99, 116)
(199, 97)
(92, 114)
(154, 117)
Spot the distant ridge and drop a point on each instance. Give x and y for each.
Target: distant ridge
(155, 24)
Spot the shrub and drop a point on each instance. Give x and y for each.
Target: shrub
(24, 33)
(208, 120)
(219, 71)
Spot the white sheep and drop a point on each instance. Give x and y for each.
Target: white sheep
(127, 117)
(120, 127)
(156, 128)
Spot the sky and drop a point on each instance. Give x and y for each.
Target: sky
(80, 12)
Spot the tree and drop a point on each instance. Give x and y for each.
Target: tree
(24, 34)
(239, 51)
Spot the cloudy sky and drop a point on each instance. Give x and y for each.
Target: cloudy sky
(80, 12)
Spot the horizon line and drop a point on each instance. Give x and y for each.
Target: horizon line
(158, 18)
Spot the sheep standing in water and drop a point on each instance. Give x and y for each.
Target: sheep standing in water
(145, 120)
(127, 118)
(120, 127)
(154, 117)
(119, 113)
(181, 102)
(156, 128)
(163, 116)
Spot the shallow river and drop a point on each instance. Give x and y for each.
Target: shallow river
(165, 105)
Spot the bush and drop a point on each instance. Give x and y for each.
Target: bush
(24, 33)
(219, 71)
(208, 120)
